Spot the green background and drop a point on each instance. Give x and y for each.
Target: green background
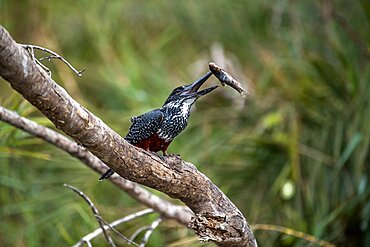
(305, 125)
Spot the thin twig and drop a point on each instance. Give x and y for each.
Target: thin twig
(88, 244)
(138, 231)
(32, 53)
(94, 210)
(54, 55)
(148, 233)
(43, 67)
(127, 218)
(115, 230)
(292, 232)
(48, 58)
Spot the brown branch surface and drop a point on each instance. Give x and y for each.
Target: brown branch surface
(180, 213)
(217, 218)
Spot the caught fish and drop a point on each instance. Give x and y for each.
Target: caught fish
(227, 79)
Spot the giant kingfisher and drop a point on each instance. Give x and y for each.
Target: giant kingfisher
(156, 129)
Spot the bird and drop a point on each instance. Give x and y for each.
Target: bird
(155, 130)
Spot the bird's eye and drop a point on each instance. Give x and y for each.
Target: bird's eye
(178, 89)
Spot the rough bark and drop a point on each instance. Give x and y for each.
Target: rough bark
(180, 213)
(216, 217)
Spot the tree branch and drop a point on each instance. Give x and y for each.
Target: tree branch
(98, 231)
(180, 213)
(116, 231)
(217, 219)
(54, 55)
(94, 210)
(149, 232)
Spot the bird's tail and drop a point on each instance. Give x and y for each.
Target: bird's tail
(107, 175)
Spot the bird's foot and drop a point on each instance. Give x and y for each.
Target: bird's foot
(162, 157)
(165, 156)
(174, 155)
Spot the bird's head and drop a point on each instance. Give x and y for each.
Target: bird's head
(189, 93)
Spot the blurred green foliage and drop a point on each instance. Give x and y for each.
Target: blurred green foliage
(294, 153)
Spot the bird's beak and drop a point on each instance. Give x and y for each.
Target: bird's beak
(205, 91)
(192, 89)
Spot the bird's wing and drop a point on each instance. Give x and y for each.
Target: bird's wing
(144, 126)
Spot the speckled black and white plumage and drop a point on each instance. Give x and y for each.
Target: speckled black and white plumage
(144, 126)
(176, 116)
(164, 123)
(155, 130)
(167, 121)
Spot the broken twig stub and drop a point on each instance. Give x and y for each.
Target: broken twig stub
(227, 79)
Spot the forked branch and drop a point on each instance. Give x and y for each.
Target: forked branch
(104, 226)
(98, 231)
(53, 55)
(216, 217)
(94, 210)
